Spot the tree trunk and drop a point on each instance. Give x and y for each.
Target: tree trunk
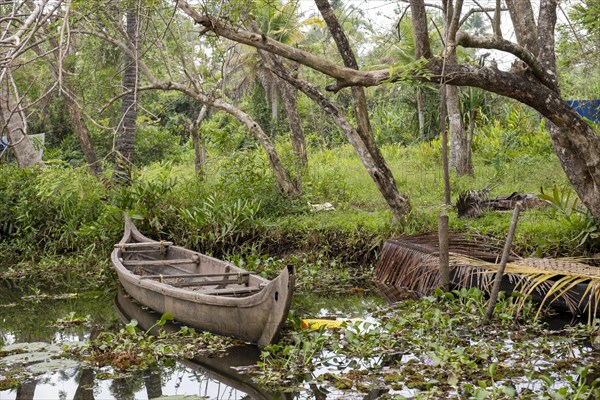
(274, 104)
(85, 386)
(153, 383)
(14, 124)
(397, 202)
(82, 132)
(26, 390)
(125, 149)
(199, 148)
(459, 151)
(472, 116)
(521, 14)
(75, 111)
(285, 184)
(420, 112)
(577, 147)
(290, 102)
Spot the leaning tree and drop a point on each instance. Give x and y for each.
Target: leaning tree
(531, 80)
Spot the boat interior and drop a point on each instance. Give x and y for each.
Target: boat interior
(180, 268)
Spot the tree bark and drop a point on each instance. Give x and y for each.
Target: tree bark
(397, 202)
(496, 22)
(290, 102)
(75, 111)
(14, 124)
(125, 147)
(546, 39)
(82, 132)
(420, 33)
(420, 112)
(521, 15)
(459, 145)
(460, 152)
(444, 136)
(199, 148)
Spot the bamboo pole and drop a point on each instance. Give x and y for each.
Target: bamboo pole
(500, 273)
(444, 252)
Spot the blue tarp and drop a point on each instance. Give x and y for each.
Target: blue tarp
(589, 109)
(3, 142)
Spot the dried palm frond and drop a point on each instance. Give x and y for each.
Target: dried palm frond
(565, 283)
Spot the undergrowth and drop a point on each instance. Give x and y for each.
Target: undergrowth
(64, 213)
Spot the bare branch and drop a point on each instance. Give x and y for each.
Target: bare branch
(488, 42)
(104, 36)
(480, 9)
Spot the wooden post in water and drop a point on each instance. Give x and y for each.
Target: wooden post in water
(444, 252)
(500, 273)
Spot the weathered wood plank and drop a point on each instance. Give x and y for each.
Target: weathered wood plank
(129, 246)
(231, 291)
(210, 275)
(242, 280)
(160, 263)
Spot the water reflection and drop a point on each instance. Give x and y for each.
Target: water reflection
(27, 322)
(210, 369)
(33, 320)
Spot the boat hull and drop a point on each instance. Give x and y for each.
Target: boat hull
(255, 318)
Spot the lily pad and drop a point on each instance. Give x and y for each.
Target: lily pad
(30, 347)
(28, 358)
(52, 365)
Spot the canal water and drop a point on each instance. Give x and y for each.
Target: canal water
(32, 332)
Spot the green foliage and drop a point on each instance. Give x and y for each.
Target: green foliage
(565, 206)
(394, 116)
(247, 175)
(226, 134)
(218, 222)
(520, 133)
(46, 208)
(154, 144)
(131, 349)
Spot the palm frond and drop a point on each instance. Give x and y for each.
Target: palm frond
(564, 283)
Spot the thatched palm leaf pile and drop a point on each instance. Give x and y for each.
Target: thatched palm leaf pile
(567, 284)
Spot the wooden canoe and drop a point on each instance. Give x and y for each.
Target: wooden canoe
(201, 291)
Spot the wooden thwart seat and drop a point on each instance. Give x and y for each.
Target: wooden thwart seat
(233, 291)
(242, 279)
(244, 275)
(143, 245)
(209, 283)
(161, 263)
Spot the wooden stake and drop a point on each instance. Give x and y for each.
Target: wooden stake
(500, 273)
(444, 252)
